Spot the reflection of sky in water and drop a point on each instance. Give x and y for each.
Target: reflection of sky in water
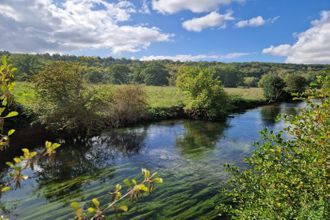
(188, 154)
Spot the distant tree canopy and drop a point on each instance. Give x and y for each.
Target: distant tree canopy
(162, 72)
(229, 75)
(120, 74)
(155, 74)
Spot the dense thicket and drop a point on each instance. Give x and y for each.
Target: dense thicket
(122, 71)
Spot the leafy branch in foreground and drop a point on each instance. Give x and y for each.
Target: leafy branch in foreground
(27, 159)
(287, 176)
(135, 189)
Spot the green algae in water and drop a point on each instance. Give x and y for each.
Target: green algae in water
(189, 155)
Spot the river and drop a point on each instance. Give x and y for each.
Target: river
(188, 155)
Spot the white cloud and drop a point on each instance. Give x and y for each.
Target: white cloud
(213, 19)
(200, 57)
(47, 26)
(312, 45)
(197, 6)
(253, 22)
(145, 7)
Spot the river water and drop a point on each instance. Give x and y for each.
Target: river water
(188, 155)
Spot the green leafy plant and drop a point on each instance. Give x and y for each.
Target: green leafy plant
(27, 160)
(287, 176)
(133, 192)
(205, 97)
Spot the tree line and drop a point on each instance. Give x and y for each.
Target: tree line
(159, 73)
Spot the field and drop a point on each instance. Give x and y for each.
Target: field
(158, 96)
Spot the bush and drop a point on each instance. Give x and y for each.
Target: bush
(129, 105)
(250, 81)
(295, 84)
(205, 97)
(286, 178)
(64, 104)
(273, 87)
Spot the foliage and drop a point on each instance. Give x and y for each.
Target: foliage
(287, 175)
(273, 87)
(27, 66)
(205, 96)
(120, 74)
(128, 105)
(295, 83)
(27, 159)
(134, 191)
(155, 74)
(64, 103)
(96, 75)
(229, 75)
(250, 81)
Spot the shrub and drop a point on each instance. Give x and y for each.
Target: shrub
(295, 84)
(205, 97)
(64, 104)
(129, 105)
(273, 87)
(286, 178)
(250, 81)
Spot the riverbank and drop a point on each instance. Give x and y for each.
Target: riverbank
(164, 103)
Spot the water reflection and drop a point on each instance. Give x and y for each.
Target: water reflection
(269, 114)
(199, 137)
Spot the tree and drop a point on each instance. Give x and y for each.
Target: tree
(64, 103)
(229, 75)
(273, 87)
(205, 96)
(97, 75)
(155, 74)
(286, 178)
(120, 74)
(250, 81)
(27, 66)
(295, 83)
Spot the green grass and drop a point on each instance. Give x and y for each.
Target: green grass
(157, 96)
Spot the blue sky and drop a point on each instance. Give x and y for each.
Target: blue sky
(294, 31)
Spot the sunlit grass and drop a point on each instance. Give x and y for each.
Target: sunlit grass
(157, 96)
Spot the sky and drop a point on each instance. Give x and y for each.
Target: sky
(286, 31)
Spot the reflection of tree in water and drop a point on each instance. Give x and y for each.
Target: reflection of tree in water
(78, 162)
(199, 137)
(269, 114)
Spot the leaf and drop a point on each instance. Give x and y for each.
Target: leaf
(91, 210)
(11, 114)
(96, 202)
(75, 205)
(123, 208)
(17, 160)
(134, 181)
(5, 189)
(127, 182)
(118, 187)
(11, 131)
(158, 180)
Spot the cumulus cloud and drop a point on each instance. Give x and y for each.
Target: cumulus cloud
(255, 22)
(312, 45)
(197, 6)
(52, 26)
(213, 19)
(200, 57)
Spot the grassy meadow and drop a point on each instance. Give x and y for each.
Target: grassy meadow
(158, 96)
